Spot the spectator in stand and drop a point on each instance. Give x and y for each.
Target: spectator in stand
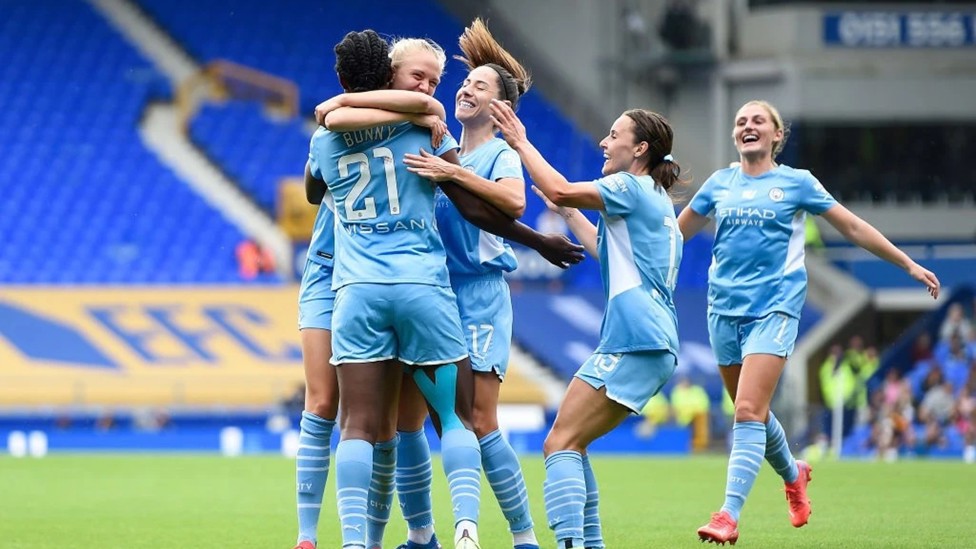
(971, 346)
(938, 405)
(956, 323)
(922, 349)
(936, 412)
(655, 413)
(812, 239)
(933, 377)
(690, 405)
(865, 364)
(892, 428)
(253, 259)
(893, 388)
(855, 352)
(966, 418)
(955, 365)
(838, 381)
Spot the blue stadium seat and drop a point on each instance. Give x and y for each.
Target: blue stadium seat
(294, 40)
(251, 148)
(84, 200)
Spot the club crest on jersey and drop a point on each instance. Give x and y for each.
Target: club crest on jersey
(776, 194)
(469, 167)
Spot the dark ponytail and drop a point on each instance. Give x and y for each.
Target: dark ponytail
(654, 129)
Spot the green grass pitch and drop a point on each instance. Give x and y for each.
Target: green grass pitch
(189, 501)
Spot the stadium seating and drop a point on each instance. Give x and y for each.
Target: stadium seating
(83, 200)
(254, 150)
(294, 40)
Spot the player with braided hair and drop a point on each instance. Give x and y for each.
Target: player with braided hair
(362, 60)
(476, 260)
(393, 300)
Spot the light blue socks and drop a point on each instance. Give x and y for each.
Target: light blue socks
(748, 450)
(311, 472)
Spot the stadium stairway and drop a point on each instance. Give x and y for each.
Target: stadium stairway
(254, 149)
(161, 130)
(294, 41)
(84, 201)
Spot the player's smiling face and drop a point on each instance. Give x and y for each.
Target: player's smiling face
(420, 71)
(619, 148)
(755, 133)
(473, 99)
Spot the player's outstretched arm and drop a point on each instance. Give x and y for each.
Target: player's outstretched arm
(555, 248)
(388, 100)
(506, 194)
(578, 223)
(863, 234)
(552, 183)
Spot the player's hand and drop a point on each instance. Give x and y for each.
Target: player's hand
(559, 250)
(324, 108)
(563, 211)
(436, 125)
(429, 166)
(505, 120)
(927, 278)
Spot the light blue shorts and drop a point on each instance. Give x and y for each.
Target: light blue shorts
(734, 338)
(316, 299)
(415, 323)
(631, 379)
(485, 304)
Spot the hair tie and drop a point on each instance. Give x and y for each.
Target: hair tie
(668, 158)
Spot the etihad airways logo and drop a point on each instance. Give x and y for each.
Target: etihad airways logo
(746, 216)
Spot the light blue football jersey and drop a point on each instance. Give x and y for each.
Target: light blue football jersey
(321, 249)
(757, 259)
(470, 250)
(640, 250)
(385, 231)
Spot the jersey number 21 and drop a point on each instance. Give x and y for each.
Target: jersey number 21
(368, 211)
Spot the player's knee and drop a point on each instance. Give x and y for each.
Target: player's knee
(322, 404)
(411, 415)
(387, 431)
(484, 423)
(561, 440)
(747, 410)
(359, 429)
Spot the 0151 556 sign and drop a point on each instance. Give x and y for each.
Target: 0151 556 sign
(881, 29)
